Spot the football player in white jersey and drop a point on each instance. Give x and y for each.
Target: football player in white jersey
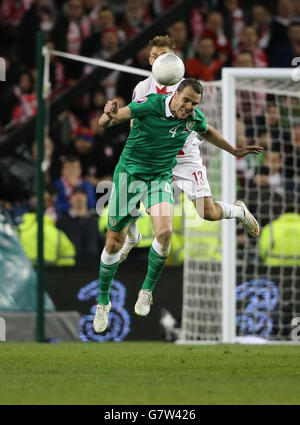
(189, 175)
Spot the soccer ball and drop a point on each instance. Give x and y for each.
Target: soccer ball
(168, 69)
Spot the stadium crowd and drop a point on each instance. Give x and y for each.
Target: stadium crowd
(79, 155)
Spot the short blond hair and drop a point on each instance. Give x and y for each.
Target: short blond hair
(162, 41)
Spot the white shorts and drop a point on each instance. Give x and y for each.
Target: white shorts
(191, 178)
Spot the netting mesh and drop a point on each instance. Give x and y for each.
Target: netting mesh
(202, 297)
(268, 268)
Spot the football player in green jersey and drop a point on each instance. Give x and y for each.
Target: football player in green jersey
(161, 125)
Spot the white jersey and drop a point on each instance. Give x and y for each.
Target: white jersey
(190, 151)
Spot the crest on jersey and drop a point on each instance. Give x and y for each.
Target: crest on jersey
(190, 125)
(141, 100)
(112, 221)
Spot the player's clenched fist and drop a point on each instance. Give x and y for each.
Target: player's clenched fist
(111, 108)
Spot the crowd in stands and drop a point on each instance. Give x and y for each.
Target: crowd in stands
(79, 154)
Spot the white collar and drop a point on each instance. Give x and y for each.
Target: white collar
(167, 106)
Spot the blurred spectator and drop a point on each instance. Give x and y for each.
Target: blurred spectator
(279, 243)
(105, 20)
(11, 14)
(178, 31)
(263, 192)
(135, 18)
(18, 103)
(84, 148)
(63, 129)
(40, 17)
(280, 23)
(204, 65)
(284, 52)
(12, 11)
(58, 249)
(71, 178)
(250, 104)
(235, 18)
(81, 227)
(244, 59)
(214, 29)
(249, 42)
(91, 10)
(95, 107)
(261, 20)
(109, 45)
(71, 29)
(271, 122)
(197, 19)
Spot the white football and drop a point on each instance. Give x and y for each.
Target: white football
(168, 69)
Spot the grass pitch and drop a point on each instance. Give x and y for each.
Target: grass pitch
(140, 373)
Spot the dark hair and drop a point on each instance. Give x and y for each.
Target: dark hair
(191, 82)
(79, 189)
(71, 158)
(51, 188)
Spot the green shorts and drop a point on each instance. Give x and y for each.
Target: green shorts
(127, 193)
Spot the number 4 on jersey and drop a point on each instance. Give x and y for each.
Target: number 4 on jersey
(173, 130)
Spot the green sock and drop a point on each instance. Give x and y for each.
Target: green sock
(156, 264)
(106, 275)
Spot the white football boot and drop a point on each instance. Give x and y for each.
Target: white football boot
(248, 222)
(144, 301)
(127, 247)
(101, 317)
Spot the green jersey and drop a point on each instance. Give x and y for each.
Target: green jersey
(156, 137)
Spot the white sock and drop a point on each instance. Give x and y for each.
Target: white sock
(133, 231)
(109, 259)
(161, 250)
(230, 211)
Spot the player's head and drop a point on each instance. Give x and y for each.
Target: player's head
(159, 45)
(186, 98)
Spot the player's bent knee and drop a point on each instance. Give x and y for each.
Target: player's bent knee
(164, 236)
(114, 243)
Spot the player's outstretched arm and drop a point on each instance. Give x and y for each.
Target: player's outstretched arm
(214, 137)
(114, 115)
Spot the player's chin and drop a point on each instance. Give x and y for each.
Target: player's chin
(183, 114)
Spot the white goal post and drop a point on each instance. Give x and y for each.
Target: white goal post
(194, 325)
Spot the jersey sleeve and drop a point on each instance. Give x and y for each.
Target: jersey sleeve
(142, 107)
(201, 125)
(139, 91)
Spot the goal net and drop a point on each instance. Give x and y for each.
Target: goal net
(238, 288)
